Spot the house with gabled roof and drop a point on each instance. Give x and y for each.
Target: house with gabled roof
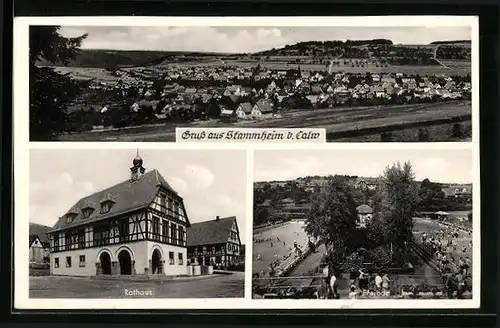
(244, 110)
(136, 227)
(215, 242)
(261, 108)
(39, 244)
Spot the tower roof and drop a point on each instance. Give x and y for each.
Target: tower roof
(137, 162)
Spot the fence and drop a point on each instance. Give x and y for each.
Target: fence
(314, 286)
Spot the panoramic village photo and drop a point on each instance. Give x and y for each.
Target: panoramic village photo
(359, 83)
(118, 223)
(363, 224)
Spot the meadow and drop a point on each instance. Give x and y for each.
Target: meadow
(334, 120)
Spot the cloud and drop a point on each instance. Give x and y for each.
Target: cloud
(179, 185)
(52, 197)
(247, 39)
(178, 38)
(288, 168)
(198, 176)
(431, 164)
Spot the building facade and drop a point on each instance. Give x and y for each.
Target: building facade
(216, 242)
(39, 250)
(136, 227)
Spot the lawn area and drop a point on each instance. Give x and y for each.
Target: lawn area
(334, 120)
(215, 286)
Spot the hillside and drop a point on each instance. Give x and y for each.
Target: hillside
(452, 42)
(112, 59)
(39, 230)
(380, 50)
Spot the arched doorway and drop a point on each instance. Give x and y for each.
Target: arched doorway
(125, 262)
(105, 260)
(156, 266)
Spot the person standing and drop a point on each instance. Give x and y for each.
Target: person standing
(334, 286)
(378, 283)
(352, 293)
(385, 283)
(353, 275)
(326, 278)
(467, 266)
(362, 280)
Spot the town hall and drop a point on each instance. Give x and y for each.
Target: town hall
(137, 227)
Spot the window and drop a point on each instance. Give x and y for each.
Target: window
(69, 218)
(156, 228)
(82, 261)
(173, 233)
(56, 262)
(163, 202)
(124, 230)
(81, 238)
(86, 212)
(171, 258)
(181, 259)
(56, 245)
(181, 236)
(68, 261)
(106, 207)
(164, 231)
(176, 210)
(170, 206)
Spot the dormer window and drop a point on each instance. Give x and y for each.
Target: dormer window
(70, 217)
(105, 207)
(86, 212)
(107, 203)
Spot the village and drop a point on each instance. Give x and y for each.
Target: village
(230, 94)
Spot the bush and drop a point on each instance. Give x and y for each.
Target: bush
(380, 257)
(423, 135)
(457, 131)
(352, 261)
(86, 127)
(386, 137)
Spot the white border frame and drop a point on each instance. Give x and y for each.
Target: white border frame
(22, 147)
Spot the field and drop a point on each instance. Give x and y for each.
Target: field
(87, 73)
(283, 65)
(199, 287)
(436, 133)
(334, 120)
(286, 233)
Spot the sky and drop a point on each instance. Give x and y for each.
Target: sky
(247, 39)
(438, 165)
(211, 182)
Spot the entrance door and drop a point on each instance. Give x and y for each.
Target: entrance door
(105, 260)
(156, 262)
(125, 262)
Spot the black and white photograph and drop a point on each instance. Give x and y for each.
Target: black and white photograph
(373, 83)
(120, 223)
(364, 224)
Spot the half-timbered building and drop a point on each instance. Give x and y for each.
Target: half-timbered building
(136, 227)
(216, 242)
